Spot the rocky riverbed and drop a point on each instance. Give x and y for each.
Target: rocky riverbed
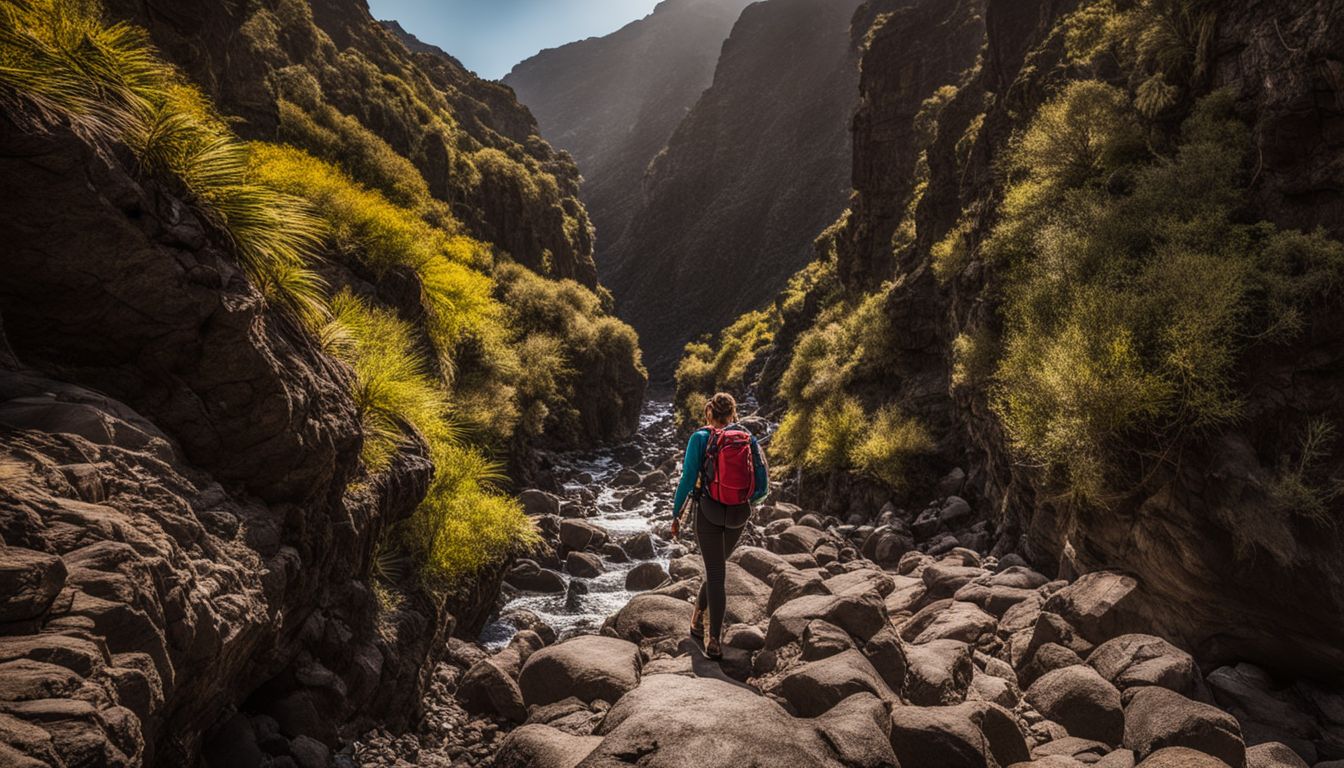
(914, 638)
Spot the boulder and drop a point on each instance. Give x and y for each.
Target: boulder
(970, 735)
(537, 503)
(1082, 701)
(541, 746)
(886, 652)
(1099, 605)
(816, 686)
(1156, 718)
(861, 580)
(993, 599)
(588, 667)
(673, 721)
(747, 596)
(790, 584)
(948, 620)
(744, 636)
(943, 580)
(530, 577)
(800, 539)
(650, 617)
(886, 545)
(761, 563)
(640, 546)
(859, 615)
(486, 689)
(822, 639)
(645, 576)
(938, 673)
(1133, 660)
(584, 564)
(578, 534)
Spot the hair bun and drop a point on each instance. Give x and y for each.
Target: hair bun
(722, 406)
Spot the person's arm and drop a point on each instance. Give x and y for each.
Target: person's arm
(762, 471)
(690, 470)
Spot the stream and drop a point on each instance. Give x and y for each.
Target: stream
(590, 479)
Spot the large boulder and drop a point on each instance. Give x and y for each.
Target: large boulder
(537, 503)
(1082, 701)
(1099, 605)
(938, 672)
(1181, 757)
(761, 563)
(816, 686)
(531, 577)
(789, 584)
(859, 615)
(1273, 755)
(674, 721)
(584, 564)
(801, 539)
(651, 616)
(588, 667)
(970, 735)
(577, 534)
(942, 580)
(1156, 718)
(1133, 660)
(948, 620)
(645, 576)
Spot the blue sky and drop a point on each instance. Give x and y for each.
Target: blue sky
(490, 36)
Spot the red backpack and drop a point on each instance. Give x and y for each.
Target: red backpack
(729, 469)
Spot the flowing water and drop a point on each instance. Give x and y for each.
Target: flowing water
(576, 611)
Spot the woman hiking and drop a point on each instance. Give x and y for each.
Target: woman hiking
(723, 472)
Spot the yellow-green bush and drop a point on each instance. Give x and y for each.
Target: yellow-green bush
(838, 435)
(848, 337)
(462, 524)
(891, 442)
(60, 62)
(1127, 311)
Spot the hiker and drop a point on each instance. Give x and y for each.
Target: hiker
(722, 473)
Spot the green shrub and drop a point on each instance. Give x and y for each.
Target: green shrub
(890, 443)
(1127, 311)
(58, 61)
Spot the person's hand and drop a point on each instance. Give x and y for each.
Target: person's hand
(676, 528)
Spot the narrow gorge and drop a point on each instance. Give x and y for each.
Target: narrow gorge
(344, 392)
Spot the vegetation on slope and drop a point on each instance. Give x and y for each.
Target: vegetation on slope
(454, 366)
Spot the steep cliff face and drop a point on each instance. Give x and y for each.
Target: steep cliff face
(612, 102)
(1224, 522)
(756, 169)
(178, 519)
(475, 145)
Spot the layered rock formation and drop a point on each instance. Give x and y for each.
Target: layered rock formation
(749, 178)
(612, 102)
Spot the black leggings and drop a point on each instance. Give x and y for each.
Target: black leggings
(716, 543)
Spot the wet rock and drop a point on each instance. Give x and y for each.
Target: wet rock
(640, 546)
(1082, 701)
(1156, 718)
(634, 500)
(971, 735)
(578, 534)
(537, 502)
(645, 576)
(584, 564)
(816, 686)
(1135, 660)
(655, 481)
(529, 576)
(588, 667)
(625, 478)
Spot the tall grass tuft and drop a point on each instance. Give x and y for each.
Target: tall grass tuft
(60, 64)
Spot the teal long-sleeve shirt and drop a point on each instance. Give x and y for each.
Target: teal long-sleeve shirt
(690, 469)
